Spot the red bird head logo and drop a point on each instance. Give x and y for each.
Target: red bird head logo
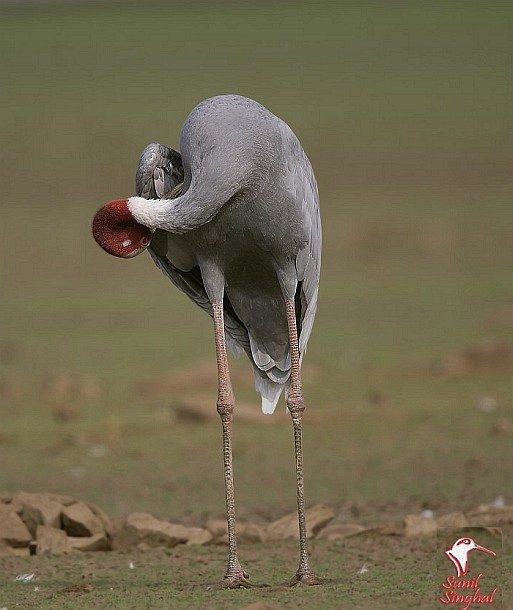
(459, 551)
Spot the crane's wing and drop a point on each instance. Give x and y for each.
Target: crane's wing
(160, 176)
(160, 171)
(299, 181)
(308, 261)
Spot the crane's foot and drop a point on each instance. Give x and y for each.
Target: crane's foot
(233, 582)
(237, 579)
(306, 579)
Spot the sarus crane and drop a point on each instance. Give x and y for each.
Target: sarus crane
(234, 223)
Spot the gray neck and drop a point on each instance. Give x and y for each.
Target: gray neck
(182, 213)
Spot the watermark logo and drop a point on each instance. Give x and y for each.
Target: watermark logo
(460, 588)
(459, 551)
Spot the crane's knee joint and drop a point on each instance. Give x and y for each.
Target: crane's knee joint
(225, 409)
(296, 405)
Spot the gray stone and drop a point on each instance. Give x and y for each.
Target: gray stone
(198, 535)
(144, 528)
(39, 509)
(417, 526)
(13, 532)
(340, 530)
(79, 520)
(287, 527)
(51, 541)
(455, 519)
(98, 542)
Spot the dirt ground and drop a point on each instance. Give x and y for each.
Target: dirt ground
(380, 569)
(395, 573)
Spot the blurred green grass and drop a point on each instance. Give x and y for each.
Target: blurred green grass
(405, 111)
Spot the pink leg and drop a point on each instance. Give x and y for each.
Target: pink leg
(235, 576)
(296, 407)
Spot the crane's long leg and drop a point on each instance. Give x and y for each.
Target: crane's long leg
(235, 576)
(296, 407)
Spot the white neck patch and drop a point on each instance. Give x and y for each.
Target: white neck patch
(147, 212)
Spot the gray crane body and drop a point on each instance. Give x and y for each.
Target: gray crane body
(234, 223)
(245, 231)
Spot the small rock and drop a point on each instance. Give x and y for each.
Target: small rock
(380, 530)
(6, 497)
(60, 386)
(13, 532)
(102, 516)
(487, 356)
(143, 527)
(79, 520)
(51, 541)
(97, 451)
(417, 526)
(65, 413)
(39, 509)
(251, 532)
(217, 527)
(287, 527)
(64, 500)
(499, 502)
(340, 530)
(12, 498)
(455, 519)
(199, 535)
(144, 548)
(247, 532)
(98, 542)
(487, 404)
(82, 588)
(8, 551)
(488, 514)
(375, 397)
(90, 388)
(503, 427)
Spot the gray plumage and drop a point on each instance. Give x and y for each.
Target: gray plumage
(247, 223)
(160, 171)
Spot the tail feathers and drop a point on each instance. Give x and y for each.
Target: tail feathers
(269, 390)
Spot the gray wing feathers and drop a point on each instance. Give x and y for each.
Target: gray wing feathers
(262, 360)
(192, 286)
(185, 282)
(270, 377)
(308, 261)
(160, 170)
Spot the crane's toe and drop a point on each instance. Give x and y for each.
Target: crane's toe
(235, 578)
(309, 579)
(235, 582)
